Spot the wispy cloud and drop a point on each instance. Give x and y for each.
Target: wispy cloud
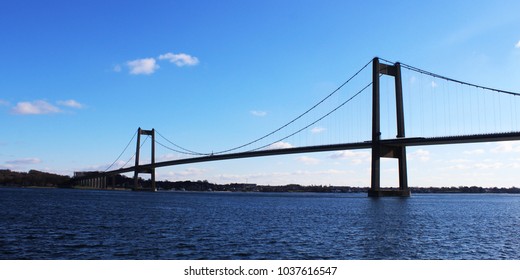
(71, 103)
(316, 130)
(420, 154)
(308, 160)
(517, 45)
(258, 113)
(180, 59)
(4, 103)
(460, 160)
(475, 152)
(186, 174)
(143, 66)
(38, 107)
(506, 147)
(434, 84)
(280, 145)
(24, 161)
(42, 107)
(166, 157)
(489, 165)
(459, 166)
(117, 68)
(354, 157)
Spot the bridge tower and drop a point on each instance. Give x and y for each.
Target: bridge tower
(139, 169)
(379, 150)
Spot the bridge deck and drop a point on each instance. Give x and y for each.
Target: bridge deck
(417, 141)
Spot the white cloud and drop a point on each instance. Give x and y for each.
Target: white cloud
(191, 171)
(144, 66)
(342, 155)
(168, 157)
(118, 164)
(333, 172)
(260, 178)
(24, 161)
(185, 174)
(147, 66)
(71, 103)
(487, 166)
(475, 152)
(280, 145)
(506, 147)
(316, 130)
(38, 107)
(517, 45)
(180, 59)
(458, 167)
(304, 177)
(460, 160)
(420, 154)
(258, 113)
(355, 157)
(308, 160)
(514, 165)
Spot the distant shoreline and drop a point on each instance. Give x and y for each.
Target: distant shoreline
(302, 189)
(38, 179)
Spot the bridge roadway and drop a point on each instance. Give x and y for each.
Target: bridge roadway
(416, 141)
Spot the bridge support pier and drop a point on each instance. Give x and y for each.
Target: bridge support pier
(379, 150)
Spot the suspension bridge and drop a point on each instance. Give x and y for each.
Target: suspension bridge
(439, 111)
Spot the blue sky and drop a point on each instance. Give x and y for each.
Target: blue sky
(79, 77)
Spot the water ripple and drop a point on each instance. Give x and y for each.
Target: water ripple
(72, 224)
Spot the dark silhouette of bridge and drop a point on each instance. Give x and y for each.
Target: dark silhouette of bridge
(380, 147)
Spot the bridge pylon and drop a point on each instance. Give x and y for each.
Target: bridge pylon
(138, 169)
(379, 150)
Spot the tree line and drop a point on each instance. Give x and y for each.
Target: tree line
(45, 179)
(32, 178)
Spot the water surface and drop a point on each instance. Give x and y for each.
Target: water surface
(88, 224)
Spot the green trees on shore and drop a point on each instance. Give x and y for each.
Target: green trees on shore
(32, 178)
(43, 179)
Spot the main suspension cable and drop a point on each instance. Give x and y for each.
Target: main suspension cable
(316, 121)
(177, 151)
(409, 67)
(122, 152)
(298, 117)
(186, 151)
(144, 141)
